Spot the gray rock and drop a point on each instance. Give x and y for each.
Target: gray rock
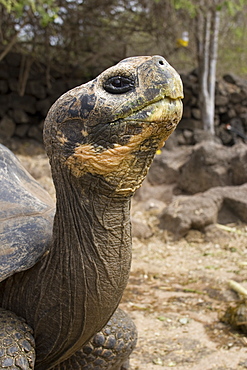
(140, 229)
(188, 135)
(238, 164)
(172, 142)
(163, 192)
(208, 166)
(202, 135)
(220, 204)
(165, 167)
(235, 202)
(189, 212)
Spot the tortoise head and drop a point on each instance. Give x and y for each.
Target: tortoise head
(111, 127)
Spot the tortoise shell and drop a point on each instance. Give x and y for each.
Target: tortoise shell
(26, 217)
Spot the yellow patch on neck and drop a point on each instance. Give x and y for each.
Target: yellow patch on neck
(118, 164)
(86, 158)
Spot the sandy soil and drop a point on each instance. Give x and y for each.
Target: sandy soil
(178, 290)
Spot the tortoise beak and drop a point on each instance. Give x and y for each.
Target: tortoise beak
(166, 113)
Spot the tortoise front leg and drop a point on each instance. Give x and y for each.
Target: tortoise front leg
(16, 342)
(109, 349)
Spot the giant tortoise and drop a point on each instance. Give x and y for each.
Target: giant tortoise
(61, 284)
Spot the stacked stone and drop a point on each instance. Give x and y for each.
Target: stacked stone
(230, 108)
(22, 114)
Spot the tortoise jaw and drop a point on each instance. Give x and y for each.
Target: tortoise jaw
(165, 113)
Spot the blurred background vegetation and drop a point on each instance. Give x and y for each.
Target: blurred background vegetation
(83, 37)
(80, 38)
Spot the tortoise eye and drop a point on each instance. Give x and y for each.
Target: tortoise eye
(118, 85)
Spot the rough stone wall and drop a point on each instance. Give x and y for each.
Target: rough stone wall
(22, 111)
(22, 115)
(230, 108)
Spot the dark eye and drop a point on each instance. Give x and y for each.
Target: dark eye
(118, 85)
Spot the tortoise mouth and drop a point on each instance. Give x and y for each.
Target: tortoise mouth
(166, 112)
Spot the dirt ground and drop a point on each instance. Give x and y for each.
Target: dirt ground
(178, 290)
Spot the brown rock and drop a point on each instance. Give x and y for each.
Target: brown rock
(7, 127)
(221, 100)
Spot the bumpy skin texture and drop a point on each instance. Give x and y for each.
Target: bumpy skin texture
(101, 138)
(16, 343)
(107, 350)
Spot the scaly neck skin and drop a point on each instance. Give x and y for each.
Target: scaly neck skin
(73, 291)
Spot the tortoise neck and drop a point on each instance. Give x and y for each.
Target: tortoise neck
(94, 228)
(92, 254)
(72, 292)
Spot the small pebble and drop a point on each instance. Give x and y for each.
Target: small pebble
(184, 320)
(171, 364)
(158, 361)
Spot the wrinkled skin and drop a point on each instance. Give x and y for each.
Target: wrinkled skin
(101, 138)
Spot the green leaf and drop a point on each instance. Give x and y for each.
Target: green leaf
(187, 5)
(45, 10)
